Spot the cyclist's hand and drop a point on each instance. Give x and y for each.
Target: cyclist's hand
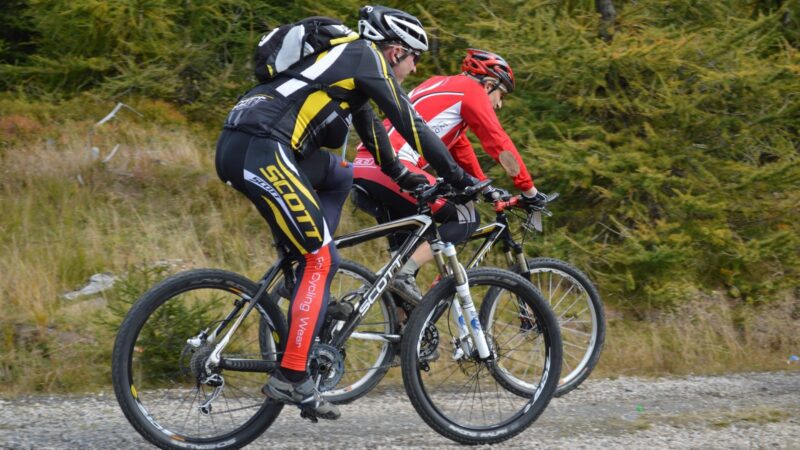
(535, 203)
(409, 180)
(466, 181)
(492, 194)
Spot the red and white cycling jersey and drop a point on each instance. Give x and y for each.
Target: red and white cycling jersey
(450, 105)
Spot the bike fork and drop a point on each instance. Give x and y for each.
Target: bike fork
(464, 310)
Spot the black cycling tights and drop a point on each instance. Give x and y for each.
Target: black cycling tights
(457, 222)
(302, 204)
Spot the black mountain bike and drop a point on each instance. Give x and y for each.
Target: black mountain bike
(193, 352)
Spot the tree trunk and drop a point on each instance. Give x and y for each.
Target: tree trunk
(607, 17)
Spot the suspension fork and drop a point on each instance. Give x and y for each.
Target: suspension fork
(463, 308)
(515, 254)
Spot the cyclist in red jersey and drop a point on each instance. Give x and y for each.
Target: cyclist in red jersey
(450, 105)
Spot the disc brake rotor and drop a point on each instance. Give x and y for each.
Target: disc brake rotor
(430, 342)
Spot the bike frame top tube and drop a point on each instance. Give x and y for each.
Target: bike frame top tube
(419, 222)
(423, 227)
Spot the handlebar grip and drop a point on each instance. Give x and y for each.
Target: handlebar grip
(477, 187)
(552, 196)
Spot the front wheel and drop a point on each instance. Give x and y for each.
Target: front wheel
(161, 380)
(581, 317)
(460, 395)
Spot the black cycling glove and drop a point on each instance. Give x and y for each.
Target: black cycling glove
(492, 194)
(535, 203)
(466, 181)
(409, 180)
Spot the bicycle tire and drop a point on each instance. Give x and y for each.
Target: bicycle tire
(370, 358)
(430, 394)
(147, 374)
(582, 347)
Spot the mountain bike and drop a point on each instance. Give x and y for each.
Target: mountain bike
(569, 292)
(193, 352)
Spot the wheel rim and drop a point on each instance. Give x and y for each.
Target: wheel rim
(165, 371)
(577, 318)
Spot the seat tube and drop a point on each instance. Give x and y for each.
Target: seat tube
(470, 314)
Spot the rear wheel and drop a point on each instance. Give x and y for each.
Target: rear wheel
(161, 380)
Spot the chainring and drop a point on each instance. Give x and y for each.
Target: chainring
(326, 361)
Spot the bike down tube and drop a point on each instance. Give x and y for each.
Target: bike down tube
(421, 223)
(491, 233)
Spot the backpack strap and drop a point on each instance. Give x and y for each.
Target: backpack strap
(314, 84)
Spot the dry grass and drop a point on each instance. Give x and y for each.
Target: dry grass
(705, 336)
(68, 215)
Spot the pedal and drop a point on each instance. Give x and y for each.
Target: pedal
(306, 414)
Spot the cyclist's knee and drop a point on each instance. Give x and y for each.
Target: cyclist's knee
(458, 231)
(335, 259)
(324, 258)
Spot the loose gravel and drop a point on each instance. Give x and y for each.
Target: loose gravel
(757, 410)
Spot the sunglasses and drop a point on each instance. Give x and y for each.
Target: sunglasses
(414, 54)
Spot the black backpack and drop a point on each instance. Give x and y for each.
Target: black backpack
(289, 44)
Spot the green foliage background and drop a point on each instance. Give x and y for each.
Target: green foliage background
(675, 145)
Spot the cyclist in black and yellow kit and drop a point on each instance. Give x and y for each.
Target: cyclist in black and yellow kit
(269, 150)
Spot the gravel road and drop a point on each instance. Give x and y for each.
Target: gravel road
(759, 410)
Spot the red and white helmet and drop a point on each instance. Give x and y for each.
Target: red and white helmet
(481, 64)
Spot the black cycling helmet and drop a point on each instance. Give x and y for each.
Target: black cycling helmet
(382, 24)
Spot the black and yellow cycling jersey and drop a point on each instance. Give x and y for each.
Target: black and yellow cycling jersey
(277, 127)
(314, 107)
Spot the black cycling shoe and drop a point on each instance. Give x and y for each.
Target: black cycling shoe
(406, 286)
(303, 394)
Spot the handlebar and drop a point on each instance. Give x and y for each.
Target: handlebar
(502, 205)
(427, 193)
